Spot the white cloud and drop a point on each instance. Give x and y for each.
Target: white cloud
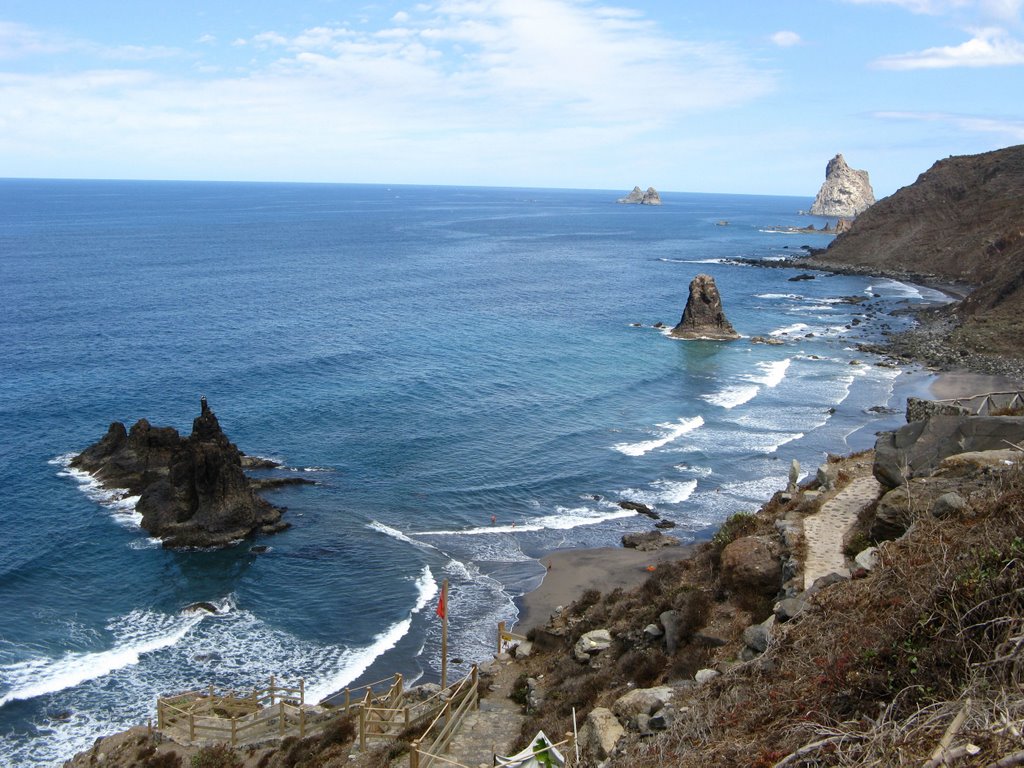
(498, 87)
(784, 38)
(1011, 130)
(988, 48)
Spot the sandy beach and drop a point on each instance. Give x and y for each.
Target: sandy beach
(951, 384)
(573, 571)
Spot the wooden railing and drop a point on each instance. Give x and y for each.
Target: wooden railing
(458, 700)
(212, 714)
(505, 638)
(983, 405)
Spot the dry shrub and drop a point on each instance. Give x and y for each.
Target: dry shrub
(341, 730)
(642, 667)
(216, 756)
(876, 670)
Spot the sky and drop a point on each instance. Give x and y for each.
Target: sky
(729, 97)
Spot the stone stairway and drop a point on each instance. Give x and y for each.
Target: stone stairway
(824, 530)
(492, 728)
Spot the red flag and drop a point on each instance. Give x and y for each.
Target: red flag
(441, 608)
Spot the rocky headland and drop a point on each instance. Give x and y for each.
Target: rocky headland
(192, 491)
(959, 223)
(639, 197)
(703, 316)
(845, 191)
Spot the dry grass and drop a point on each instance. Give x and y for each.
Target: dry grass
(878, 670)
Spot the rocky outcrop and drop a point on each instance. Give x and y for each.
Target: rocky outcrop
(639, 197)
(846, 192)
(918, 448)
(192, 491)
(703, 317)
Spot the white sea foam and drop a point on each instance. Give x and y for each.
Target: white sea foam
(136, 634)
(772, 372)
(670, 432)
(564, 519)
(394, 533)
(117, 500)
(732, 396)
(792, 296)
(692, 261)
(787, 329)
(661, 492)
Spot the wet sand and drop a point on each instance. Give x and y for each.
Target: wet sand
(952, 384)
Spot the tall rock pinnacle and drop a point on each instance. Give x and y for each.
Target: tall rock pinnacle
(846, 191)
(704, 317)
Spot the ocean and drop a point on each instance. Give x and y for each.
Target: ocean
(470, 376)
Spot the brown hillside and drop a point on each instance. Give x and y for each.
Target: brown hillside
(962, 221)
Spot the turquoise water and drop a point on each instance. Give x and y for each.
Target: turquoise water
(431, 357)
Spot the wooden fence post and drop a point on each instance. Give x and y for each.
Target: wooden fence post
(234, 725)
(272, 690)
(476, 687)
(191, 726)
(348, 698)
(302, 723)
(362, 729)
(160, 714)
(302, 690)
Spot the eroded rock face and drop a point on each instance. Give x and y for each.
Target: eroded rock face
(703, 317)
(192, 491)
(846, 191)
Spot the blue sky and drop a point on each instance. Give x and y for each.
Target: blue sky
(727, 96)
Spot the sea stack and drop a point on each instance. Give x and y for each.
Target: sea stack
(639, 197)
(192, 491)
(704, 317)
(846, 191)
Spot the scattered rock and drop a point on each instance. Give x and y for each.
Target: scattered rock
(592, 642)
(648, 541)
(769, 340)
(868, 559)
(200, 606)
(642, 701)
(756, 637)
(799, 278)
(664, 524)
(704, 675)
(670, 620)
(948, 505)
(653, 632)
(789, 608)
(639, 508)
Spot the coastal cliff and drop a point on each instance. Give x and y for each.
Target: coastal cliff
(962, 221)
(845, 191)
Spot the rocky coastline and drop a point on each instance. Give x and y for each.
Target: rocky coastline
(789, 639)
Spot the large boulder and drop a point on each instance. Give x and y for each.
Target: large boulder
(893, 515)
(192, 491)
(845, 192)
(753, 564)
(648, 541)
(600, 734)
(703, 316)
(919, 447)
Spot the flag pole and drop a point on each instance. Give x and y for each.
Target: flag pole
(444, 634)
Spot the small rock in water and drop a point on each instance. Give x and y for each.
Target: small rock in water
(200, 606)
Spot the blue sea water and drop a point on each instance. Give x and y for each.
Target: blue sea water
(431, 357)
